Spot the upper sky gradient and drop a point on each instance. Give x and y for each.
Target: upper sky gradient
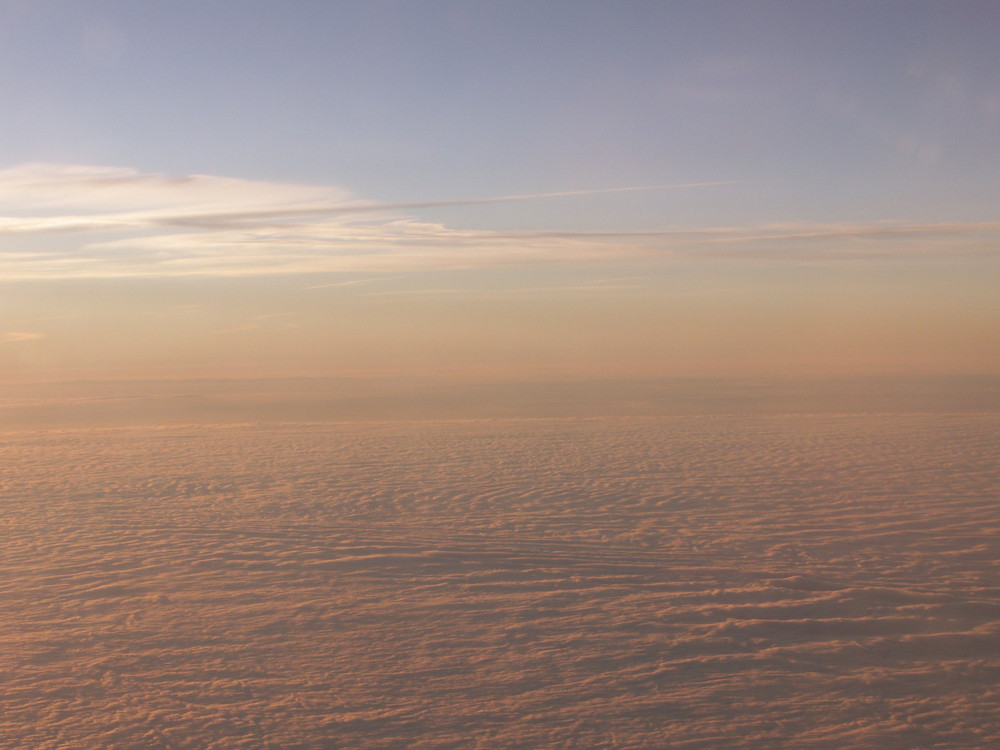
(496, 189)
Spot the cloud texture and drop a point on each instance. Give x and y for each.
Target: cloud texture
(782, 582)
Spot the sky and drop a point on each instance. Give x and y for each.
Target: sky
(497, 191)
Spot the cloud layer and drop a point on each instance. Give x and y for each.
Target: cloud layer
(65, 221)
(783, 582)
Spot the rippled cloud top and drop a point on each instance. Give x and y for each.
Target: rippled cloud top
(787, 582)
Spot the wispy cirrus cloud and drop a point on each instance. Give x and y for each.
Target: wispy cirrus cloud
(67, 221)
(53, 195)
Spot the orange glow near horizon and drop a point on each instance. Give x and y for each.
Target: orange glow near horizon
(512, 324)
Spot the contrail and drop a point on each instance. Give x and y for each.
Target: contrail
(563, 194)
(365, 207)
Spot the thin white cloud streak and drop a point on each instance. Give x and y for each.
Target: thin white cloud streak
(202, 225)
(407, 245)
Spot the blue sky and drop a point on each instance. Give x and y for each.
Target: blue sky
(839, 110)
(383, 149)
